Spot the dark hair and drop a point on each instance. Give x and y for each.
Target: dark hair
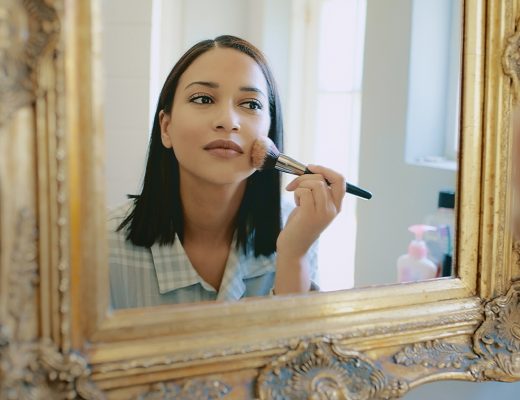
(156, 215)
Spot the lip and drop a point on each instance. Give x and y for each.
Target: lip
(226, 145)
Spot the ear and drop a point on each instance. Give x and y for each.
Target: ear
(164, 123)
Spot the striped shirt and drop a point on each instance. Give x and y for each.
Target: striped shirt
(163, 274)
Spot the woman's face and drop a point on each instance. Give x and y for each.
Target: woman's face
(220, 107)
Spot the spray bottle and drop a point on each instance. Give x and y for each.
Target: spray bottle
(415, 266)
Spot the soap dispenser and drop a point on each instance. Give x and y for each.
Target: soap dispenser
(415, 266)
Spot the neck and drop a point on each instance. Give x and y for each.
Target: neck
(210, 210)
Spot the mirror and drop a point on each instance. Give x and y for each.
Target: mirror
(380, 105)
(386, 340)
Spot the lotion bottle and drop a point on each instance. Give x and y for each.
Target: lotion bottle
(415, 266)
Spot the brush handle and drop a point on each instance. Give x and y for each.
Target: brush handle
(350, 188)
(357, 191)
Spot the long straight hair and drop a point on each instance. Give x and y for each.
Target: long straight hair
(157, 215)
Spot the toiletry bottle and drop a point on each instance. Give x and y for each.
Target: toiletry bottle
(415, 266)
(441, 242)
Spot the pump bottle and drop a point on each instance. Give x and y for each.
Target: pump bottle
(415, 266)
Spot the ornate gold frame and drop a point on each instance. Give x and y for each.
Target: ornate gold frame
(57, 339)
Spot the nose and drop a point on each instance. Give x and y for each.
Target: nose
(226, 119)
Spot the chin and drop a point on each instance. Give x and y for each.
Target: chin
(223, 176)
(230, 178)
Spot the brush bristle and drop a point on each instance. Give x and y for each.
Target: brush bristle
(264, 154)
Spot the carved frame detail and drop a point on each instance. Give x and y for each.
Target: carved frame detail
(511, 59)
(28, 30)
(34, 369)
(320, 369)
(494, 353)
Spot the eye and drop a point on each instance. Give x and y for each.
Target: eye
(252, 104)
(201, 99)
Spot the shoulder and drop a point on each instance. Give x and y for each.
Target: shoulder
(122, 252)
(117, 214)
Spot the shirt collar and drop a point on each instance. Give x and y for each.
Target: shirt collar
(239, 267)
(232, 286)
(172, 267)
(175, 271)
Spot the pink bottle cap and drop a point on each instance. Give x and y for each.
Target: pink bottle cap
(417, 248)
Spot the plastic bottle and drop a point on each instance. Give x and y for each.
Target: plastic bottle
(415, 266)
(441, 242)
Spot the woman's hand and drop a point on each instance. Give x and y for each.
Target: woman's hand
(317, 205)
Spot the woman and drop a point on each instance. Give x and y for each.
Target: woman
(206, 225)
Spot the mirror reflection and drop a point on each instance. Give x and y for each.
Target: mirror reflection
(365, 97)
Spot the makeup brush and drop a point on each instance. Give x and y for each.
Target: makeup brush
(265, 155)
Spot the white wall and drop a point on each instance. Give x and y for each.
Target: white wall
(126, 31)
(429, 74)
(403, 194)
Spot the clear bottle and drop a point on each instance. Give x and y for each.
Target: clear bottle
(440, 243)
(414, 265)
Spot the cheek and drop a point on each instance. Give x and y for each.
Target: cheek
(263, 127)
(183, 133)
(184, 124)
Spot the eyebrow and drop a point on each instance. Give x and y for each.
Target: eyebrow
(203, 83)
(214, 85)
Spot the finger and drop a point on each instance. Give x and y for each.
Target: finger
(321, 192)
(292, 185)
(295, 182)
(336, 181)
(297, 199)
(304, 198)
